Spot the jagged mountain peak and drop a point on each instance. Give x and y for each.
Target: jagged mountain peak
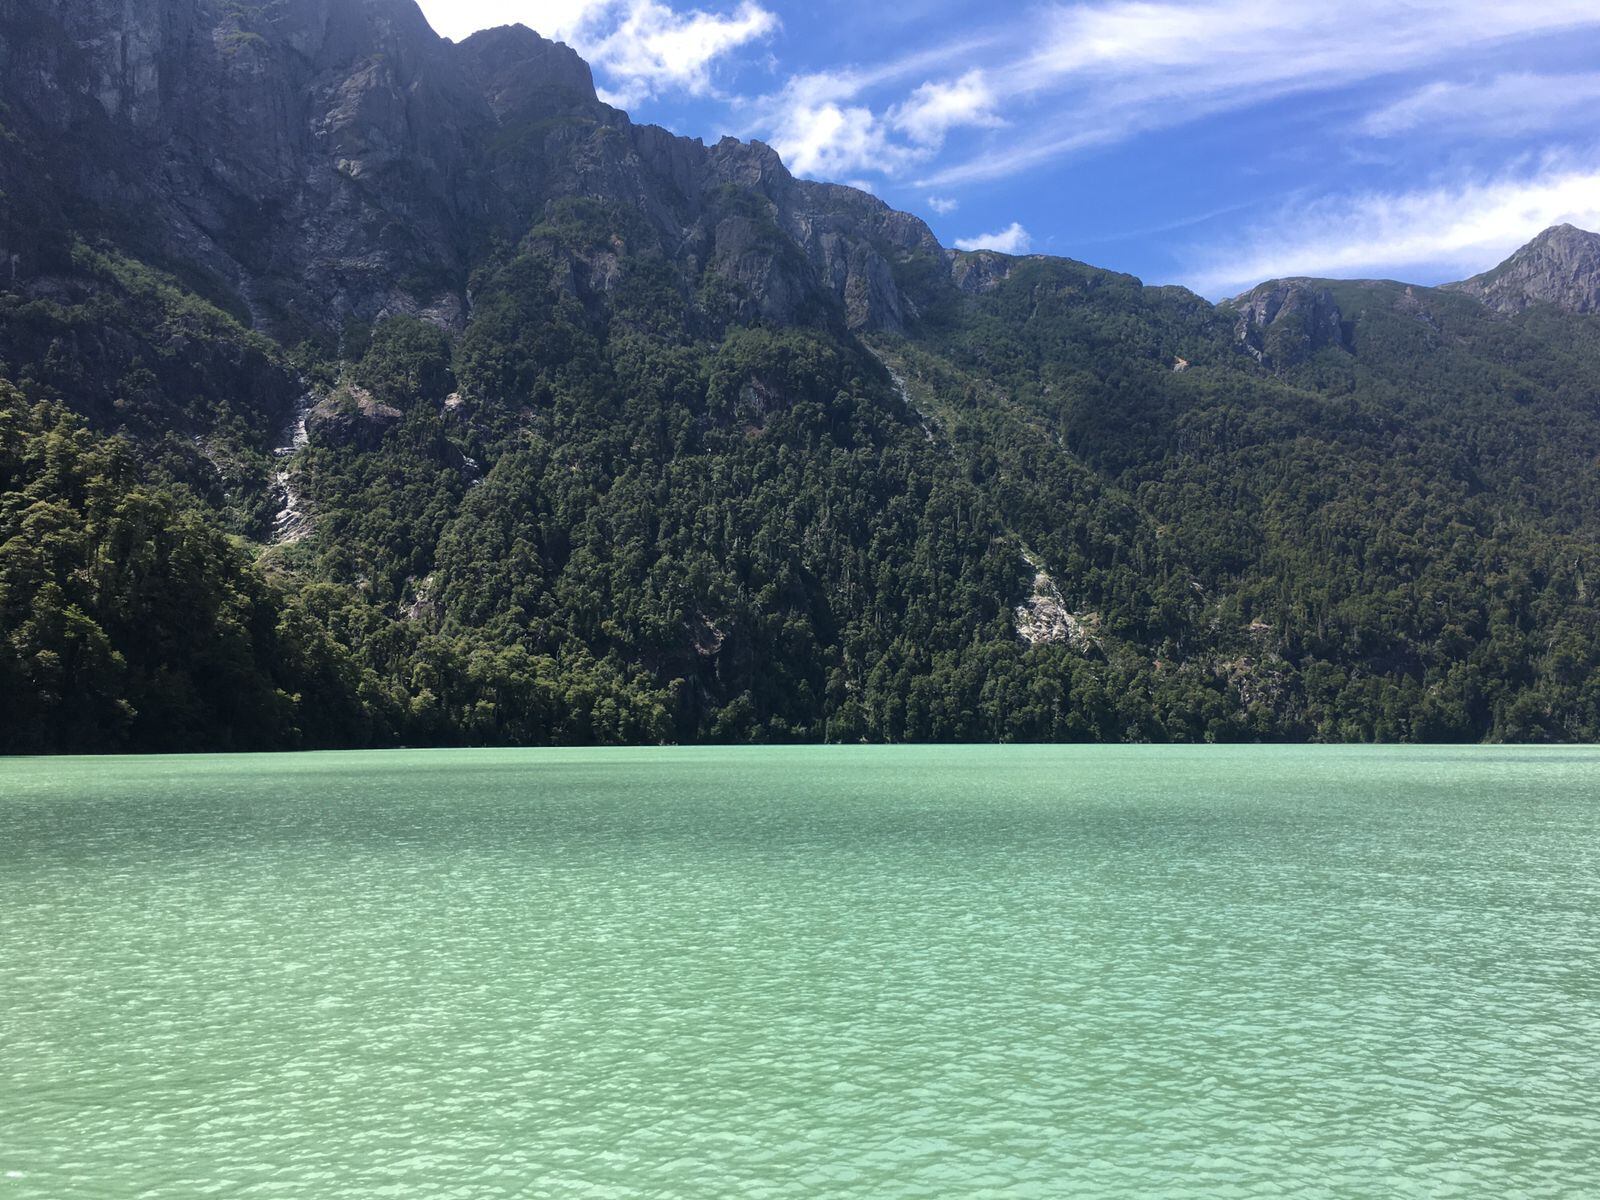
(517, 69)
(1561, 267)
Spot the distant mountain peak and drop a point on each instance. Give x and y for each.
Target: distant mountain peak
(1565, 232)
(1561, 267)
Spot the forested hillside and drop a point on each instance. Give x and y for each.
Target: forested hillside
(496, 419)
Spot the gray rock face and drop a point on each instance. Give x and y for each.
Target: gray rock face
(351, 417)
(305, 156)
(312, 161)
(1561, 267)
(524, 77)
(1285, 321)
(980, 271)
(854, 241)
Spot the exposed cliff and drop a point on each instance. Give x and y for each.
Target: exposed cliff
(311, 161)
(1283, 322)
(1561, 267)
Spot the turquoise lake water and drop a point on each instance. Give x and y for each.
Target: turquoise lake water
(909, 972)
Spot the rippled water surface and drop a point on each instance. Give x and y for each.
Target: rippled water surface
(810, 972)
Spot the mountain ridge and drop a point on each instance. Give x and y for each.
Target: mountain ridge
(413, 150)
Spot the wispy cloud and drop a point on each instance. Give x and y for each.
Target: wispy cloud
(1110, 71)
(1508, 105)
(1012, 240)
(1461, 228)
(943, 205)
(1184, 222)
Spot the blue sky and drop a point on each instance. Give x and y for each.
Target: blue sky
(1212, 143)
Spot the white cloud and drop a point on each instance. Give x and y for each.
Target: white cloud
(830, 140)
(640, 47)
(1505, 106)
(934, 109)
(1014, 239)
(820, 132)
(1445, 231)
(943, 205)
(656, 48)
(823, 129)
(1202, 47)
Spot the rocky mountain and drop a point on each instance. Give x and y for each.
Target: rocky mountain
(310, 161)
(359, 387)
(1561, 267)
(1287, 320)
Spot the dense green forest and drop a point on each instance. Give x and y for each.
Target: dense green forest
(502, 421)
(642, 524)
(1387, 538)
